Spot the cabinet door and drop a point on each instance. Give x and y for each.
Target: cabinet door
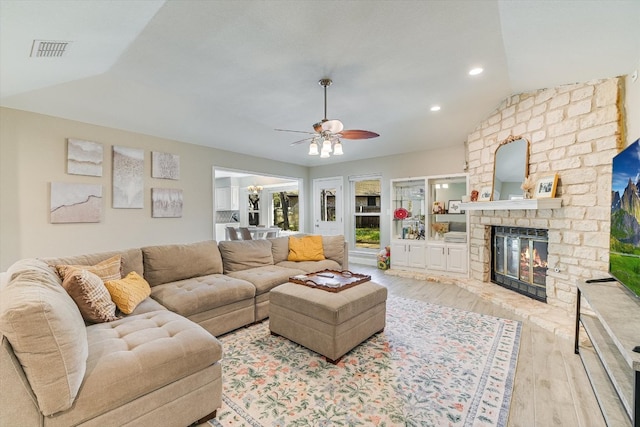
(399, 254)
(457, 258)
(436, 257)
(234, 198)
(415, 256)
(223, 199)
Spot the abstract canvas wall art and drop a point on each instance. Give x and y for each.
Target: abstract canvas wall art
(84, 157)
(75, 202)
(165, 165)
(128, 181)
(166, 203)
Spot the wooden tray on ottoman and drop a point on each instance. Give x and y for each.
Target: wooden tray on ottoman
(330, 280)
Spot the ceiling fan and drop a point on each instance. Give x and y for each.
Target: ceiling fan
(328, 132)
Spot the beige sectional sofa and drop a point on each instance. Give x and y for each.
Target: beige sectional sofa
(159, 365)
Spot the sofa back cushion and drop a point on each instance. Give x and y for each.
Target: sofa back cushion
(238, 255)
(168, 263)
(131, 260)
(333, 247)
(280, 249)
(47, 333)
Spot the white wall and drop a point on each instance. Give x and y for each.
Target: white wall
(33, 150)
(433, 162)
(632, 105)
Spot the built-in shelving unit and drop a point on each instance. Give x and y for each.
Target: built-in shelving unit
(526, 204)
(421, 206)
(611, 364)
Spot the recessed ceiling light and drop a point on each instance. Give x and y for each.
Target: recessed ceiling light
(475, 71)
(435, 108)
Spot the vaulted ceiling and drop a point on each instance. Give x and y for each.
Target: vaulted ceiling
(225, 74)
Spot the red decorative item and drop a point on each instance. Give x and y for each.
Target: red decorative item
(400, 213)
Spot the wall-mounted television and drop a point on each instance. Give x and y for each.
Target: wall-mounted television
(624, 255)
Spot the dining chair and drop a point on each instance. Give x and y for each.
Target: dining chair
(232, 233)
(244, 232)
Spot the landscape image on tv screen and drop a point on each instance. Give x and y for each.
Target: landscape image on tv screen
(624, 256)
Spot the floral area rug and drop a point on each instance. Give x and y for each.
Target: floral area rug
(432, 366)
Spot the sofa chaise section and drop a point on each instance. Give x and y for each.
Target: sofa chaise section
(57, 371)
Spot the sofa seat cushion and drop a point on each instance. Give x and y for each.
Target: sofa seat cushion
(134, 356)
(267, 277)
(238, 255)
(311, 266)
(168, 263)
(199, 294)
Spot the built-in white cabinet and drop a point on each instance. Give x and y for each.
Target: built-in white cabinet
(428, 226)
(227, 198)
(408, 254)
(451, 257)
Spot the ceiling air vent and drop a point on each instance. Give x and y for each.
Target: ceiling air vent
(48, 48)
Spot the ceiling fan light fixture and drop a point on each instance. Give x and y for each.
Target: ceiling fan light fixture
(324, 154)
(313, 148)
(337, 149)
(326, 146)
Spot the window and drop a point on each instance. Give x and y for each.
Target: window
(285, 210)
(366, 212)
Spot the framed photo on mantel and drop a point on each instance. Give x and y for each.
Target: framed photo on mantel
(546, 186)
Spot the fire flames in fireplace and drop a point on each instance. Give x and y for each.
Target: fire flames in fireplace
(520, 260)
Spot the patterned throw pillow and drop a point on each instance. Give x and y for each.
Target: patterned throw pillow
(109, 269)
(305, 248)
(90, 295)
(128, 292)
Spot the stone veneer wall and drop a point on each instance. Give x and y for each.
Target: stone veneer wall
(574, 130)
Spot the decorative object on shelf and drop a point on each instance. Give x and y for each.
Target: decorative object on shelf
(527, 185)
(466, 198)
(400, 213)
(440, 228)
(485, 194)
(326, 138)
(71, 202)
(437, 208)
(84, 157)
(166, 203)
(165, 165)
(546, 186)
(453, 207)
(474, 196)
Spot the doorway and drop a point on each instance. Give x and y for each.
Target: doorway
(327, 206)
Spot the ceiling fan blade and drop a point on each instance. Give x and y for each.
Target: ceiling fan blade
(333, 126)
(302, 140)
(358, 134)
(296, 131)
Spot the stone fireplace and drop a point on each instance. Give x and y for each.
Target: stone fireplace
(574, 131)
(519, 260)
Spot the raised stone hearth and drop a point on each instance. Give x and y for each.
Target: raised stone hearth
(548, 317)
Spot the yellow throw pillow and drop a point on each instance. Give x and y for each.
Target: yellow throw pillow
(305, 248)
(128, 292)
(109, 269)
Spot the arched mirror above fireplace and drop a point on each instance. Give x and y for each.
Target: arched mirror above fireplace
(510, 168)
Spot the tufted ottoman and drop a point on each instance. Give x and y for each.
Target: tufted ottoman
(328, 323)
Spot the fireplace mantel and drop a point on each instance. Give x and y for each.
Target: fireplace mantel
(524, 204)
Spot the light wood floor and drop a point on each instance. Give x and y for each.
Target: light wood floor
(551, 387)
